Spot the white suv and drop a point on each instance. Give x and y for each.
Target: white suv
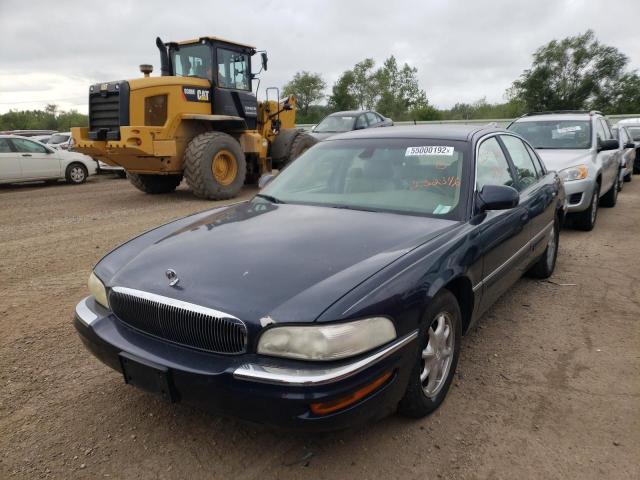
(580, 146)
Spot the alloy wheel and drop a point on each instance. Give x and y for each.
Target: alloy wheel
(437, 355)
(77, 174)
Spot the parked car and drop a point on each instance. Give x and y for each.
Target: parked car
(628, 150)
(341, 291)
(633, 127)
(581, 147)
(41, 138)
(61, 140)
(25, 160)
(106, 168)
(340, 122)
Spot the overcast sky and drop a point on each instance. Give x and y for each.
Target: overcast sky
(464, 50)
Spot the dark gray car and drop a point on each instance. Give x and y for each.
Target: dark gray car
(340, 122)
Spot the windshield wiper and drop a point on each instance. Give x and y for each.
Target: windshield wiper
(271, 198)
(347, 207)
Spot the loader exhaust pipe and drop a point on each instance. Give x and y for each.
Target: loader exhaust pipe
(165, 67)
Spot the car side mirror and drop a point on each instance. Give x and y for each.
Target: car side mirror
(629, 145)
(265, 60)
(359, 127)
(50, 150)
(610, 144)
(265, 180)
(497, 197)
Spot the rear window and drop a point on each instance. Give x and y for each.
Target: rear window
(58, 138)
(555, 134)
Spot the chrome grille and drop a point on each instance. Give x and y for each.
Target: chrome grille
(179, 322)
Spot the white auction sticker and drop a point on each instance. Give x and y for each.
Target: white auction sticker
(577, 128)
(429, 150)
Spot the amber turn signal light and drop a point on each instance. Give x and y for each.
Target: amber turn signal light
(323, 408)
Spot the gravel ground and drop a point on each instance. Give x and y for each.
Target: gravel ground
(548, 383)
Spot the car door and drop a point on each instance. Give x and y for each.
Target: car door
(608, 158)
(9, 162)
(537, 194)
(373, 120)
(503, 235)
(361, 122)
(36, 160)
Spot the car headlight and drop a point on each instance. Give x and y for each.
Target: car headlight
(579, 172)
(96, 287)
(327, 342)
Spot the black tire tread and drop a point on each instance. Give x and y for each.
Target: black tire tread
(540, 269)
(155, 184)
(193, 158)
(414, 403)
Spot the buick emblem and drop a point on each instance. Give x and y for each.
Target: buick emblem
(172, 276)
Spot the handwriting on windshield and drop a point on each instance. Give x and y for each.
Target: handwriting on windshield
(451, 181)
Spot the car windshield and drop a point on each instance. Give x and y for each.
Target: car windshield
(55, 139)
(555, 134)
(335, 123)
(416, 176)
(192, 61)
(635, 133)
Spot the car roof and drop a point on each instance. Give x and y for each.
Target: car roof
(550, 117)
(348, 112)
(440, 132)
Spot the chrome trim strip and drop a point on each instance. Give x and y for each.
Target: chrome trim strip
(192, 307)
(306, 376)
(512, 257)
(84, 313)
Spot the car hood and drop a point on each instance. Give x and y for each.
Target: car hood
(323, 136)
(258, 260)
(560, 159)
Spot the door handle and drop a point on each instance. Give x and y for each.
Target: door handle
(26, 154)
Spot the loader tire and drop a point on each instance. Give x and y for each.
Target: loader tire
(155, 184)
(215, 166)
(301, 144)
(289, 145)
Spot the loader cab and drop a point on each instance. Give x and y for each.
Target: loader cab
(227, 66)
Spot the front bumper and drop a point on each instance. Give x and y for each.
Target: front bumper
(254, 387)
(579, 193)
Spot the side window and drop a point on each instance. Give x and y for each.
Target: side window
(492, 167)
(623, 137)
(361, 122)
(525, 170)
(27, 146)
(372, 118)
(607, 128)
(600, 131)
(4, 146)
(536, 161)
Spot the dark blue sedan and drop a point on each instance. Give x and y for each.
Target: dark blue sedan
(340, 293)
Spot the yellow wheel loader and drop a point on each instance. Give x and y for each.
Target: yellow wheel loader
(199, 120)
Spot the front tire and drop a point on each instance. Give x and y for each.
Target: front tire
(437, 358)
(215, 166)
(155, 184)
(610, 198)
(587, 220)
(76, 173)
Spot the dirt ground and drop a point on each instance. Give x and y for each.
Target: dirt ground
(548, 384)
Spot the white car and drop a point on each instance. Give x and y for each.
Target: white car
(62, 140)
(25, 160)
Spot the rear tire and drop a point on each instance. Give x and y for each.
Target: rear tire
(587, 220)
(628, 177)
(215, 166)
(155, 184)
(76, 173)
(122, 173)
(289, 145)
(546, 264)
(421, 397)
(610, 198)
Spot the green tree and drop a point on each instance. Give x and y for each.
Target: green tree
(569, 74)
(342, 96)
(365, 84)
(621, 96)
(308, 89)
(399, 91)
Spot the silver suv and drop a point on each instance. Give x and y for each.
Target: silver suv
(580, 146)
